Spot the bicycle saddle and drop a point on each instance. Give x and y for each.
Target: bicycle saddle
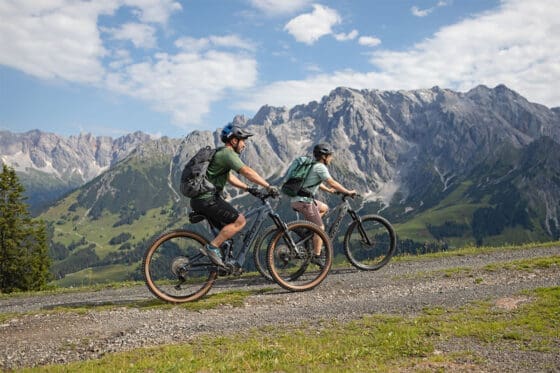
(195, 217)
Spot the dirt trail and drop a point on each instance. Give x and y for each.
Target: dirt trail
(43, 337)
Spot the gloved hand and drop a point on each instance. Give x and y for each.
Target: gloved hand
(273, 191)
(254, 191)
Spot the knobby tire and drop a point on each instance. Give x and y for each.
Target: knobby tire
(372, 255)
(296, 272)
(174, 269)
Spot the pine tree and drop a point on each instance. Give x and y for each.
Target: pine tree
(24, 260)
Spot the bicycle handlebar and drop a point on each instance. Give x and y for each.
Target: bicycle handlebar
(263, 195)
(346, 195)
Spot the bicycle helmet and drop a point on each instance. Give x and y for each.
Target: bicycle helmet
(232, 131)
(322, 149)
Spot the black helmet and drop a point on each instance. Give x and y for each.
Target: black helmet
(231, 131)
(322, 149)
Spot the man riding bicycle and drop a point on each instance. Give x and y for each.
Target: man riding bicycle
(311, 208)
(219, 212)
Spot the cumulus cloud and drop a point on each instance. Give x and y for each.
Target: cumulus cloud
(424, 12)
(60, 39)
(369, 41)
(518, 45)
(53, 40)
(279, 7)
(310, 27)
(420, 12)
(350, 36)
(141, 35)
(185, 84)
(213, 41)
(153, 11)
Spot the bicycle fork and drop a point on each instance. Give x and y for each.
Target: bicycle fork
(363, 233)
(292, 245)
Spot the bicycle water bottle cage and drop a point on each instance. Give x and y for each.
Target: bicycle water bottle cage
(195, 217)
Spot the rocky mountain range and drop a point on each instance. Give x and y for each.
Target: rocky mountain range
(481, 166)
(50, 165)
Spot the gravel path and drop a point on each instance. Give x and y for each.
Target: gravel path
(39, 338)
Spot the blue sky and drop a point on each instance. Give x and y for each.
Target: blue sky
(167, 67)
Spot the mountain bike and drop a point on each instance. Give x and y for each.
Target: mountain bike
(369, 242)
(176, 271)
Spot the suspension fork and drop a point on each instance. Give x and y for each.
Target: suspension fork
(284, 228)
(361, 229)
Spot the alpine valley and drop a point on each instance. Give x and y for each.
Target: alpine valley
(446, 168)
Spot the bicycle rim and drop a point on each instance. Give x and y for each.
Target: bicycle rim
(174, 269)
(292, 270)
(371, 245)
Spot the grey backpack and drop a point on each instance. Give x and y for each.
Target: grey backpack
(193, 179)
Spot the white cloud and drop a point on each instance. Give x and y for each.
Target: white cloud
(141, 35)
(279, 7)
(153, 11)
(517, 44)
(54, 39)
(424, 12)
(420, 12)
(60, 39)
(369, 41)
(185, 84)
(232, 41)
(190, 44)
(343, 37)
(308, 28)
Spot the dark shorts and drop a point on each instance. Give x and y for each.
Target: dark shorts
(219, 212)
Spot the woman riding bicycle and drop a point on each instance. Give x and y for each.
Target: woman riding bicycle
(311, 208)
(219, 212)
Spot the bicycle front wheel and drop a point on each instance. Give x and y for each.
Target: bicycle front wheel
(370, 243)
(260, 255)
(174, 268)
(289, 256)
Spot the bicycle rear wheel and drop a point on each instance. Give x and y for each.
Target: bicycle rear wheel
(291, 267)
(174, 269)
(371, 243)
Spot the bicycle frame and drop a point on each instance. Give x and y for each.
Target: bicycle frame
(343, 208)
(250, 232)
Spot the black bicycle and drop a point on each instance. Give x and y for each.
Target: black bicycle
(176, 271)
(369, 242)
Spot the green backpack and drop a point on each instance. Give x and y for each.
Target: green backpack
(297, 174)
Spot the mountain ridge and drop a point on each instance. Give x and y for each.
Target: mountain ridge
(443, 166)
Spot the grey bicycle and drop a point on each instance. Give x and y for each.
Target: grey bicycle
(176, 271)
(369, 242)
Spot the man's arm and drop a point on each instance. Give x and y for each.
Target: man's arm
(253, 176)
(234, 180)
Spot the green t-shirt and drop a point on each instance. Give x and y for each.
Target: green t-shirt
(225, 160)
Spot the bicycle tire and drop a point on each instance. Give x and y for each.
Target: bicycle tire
(260, 255)
(372, 255)
(260, 250)
(175, 270)
(284, 264)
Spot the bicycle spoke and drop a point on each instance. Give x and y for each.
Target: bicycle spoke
(175, 270)
(371, 243)
(292, 266)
